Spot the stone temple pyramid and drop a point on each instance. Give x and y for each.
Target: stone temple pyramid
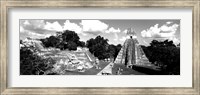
(131, 52)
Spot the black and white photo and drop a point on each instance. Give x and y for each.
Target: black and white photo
(99, 46)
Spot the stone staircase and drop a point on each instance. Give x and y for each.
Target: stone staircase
(141, 58)
(81, 56)
(118, 59)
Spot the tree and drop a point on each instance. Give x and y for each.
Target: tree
(62, 45)
(165, 43)
(68, 35)
(165, 54)
(111, 51)
(61, 40)
(98, 47)
(81, 44)
(52, 41)
(32, 64)
(71, 45)
(91, 42)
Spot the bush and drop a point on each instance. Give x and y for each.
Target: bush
(32, 64)
(101, 49)
(71, 45)
(66, 40)
(164, 54)
(98, 47)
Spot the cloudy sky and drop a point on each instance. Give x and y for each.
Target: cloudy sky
(113, 30)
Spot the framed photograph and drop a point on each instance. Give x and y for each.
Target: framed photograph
(100, 47)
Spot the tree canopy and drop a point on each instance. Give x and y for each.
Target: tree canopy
(165, 54)
(32, 64)
(100, 48)
(66, 40)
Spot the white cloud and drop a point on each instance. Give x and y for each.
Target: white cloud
(93, 25)
(125, 31)
(123, 39)
(172, 28)
(26, 22)
(152, 31)
(164, 32)
(160, 32)
(175, 40)
(21, 29)
(144, 33)
(32, 24)
(34, 28)
(37, 23)
(113, 30)
(164, 28)
(116, 37)
(169, 22)
(33, 34)
(55, 26)
(72, 26)
(41, 28)
(48, 35)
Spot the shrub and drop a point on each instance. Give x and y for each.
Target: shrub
(164, 54)
(32, 64)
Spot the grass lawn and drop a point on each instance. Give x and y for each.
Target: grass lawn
(150, 70)
(91, 71)
(126, 71)
(136, 70)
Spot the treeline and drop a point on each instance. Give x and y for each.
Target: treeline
(70, 40)
(32, 64)
(66, 40)
(100, 48)
(164, 54)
